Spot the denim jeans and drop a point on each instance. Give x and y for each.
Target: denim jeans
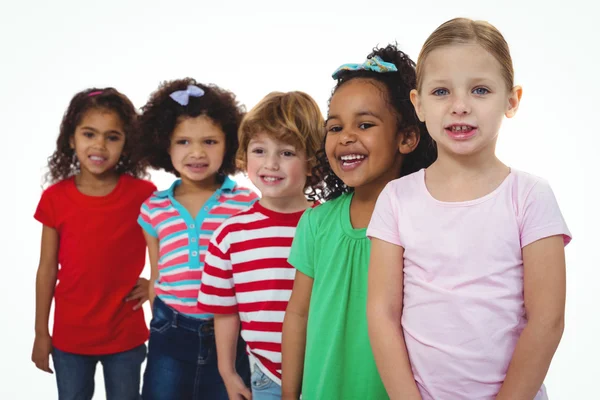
(182, 358)
(75, 374)
(263, 387)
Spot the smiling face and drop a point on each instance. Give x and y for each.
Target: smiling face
(197, 150)
(276, 168)
(463, 99)
(363, 144)
(98, 142)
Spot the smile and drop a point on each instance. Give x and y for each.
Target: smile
(351, 161)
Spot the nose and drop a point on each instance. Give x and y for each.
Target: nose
(460, 105)
(272, 162)
(100, 141)
(347, 136)
(198, 150)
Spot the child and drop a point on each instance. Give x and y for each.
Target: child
(373, 136)
(469, 253)
(89, 228)
(190, 131)
(247, 276)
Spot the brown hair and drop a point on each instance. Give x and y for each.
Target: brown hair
(464, 30)
(62, 163)
(292, 117)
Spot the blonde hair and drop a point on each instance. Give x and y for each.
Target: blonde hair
(464, 30)
(293, 118)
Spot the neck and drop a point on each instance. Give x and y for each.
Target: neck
(210, 184)
(86, 178)
(285, 205)
(466, 167)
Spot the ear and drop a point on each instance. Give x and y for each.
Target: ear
(415, 99)
(409, 140)
(514, 100)
(72, 142)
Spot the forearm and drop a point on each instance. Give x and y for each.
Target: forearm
(531, 360)
(227, 329)
(391, 356)
(293, 349)
(45, 284)
(151, 292)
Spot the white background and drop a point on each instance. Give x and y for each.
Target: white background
(51, 49)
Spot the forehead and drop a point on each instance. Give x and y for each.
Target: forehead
(101, 119)
(197, 126)
(468, 60)
(270, 139)
(359, 95)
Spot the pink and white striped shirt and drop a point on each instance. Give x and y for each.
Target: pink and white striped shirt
(183, 240)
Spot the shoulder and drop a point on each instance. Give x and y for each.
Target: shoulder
(325, 211)
(408, 185)
(240, 194)
(58, 187)
(144, 188)
(526, 182)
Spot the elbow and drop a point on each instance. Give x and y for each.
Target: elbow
(550, 327)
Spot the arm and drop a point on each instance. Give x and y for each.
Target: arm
(153, 247)
(294, 337)
(227, 328)
(45, 284)
(384, 314)
(544, 290)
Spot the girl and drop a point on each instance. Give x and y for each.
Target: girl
(190, 130)
(373, 136)
(469, 253)
(88, 214)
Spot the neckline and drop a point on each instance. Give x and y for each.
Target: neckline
(88, 199)
(294, 216)
(354, 233)
(465, 203)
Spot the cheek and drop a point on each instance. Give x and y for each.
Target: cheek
(330, 150)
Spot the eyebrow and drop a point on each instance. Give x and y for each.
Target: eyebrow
(358, 114)
(89, 128)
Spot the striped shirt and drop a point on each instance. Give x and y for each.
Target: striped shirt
(183, 240)
(247, 272)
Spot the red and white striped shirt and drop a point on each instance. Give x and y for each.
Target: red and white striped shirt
(246, 272)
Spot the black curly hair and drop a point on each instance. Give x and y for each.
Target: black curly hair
(62, 163)
(398, 85)
(161, 114)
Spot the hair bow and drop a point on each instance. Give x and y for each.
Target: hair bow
(375, 64)
(183, 96)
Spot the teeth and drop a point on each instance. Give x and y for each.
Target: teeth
(351, 157)
(461, 128)
(270, 178)
(96, 158)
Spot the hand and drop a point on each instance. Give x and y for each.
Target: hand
(236, 389)
(139, 292)
(42, 347)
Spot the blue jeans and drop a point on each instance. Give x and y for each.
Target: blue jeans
(182, 358)
(263, 387)
(75, 374)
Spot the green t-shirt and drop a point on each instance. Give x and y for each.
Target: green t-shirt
(339, 361)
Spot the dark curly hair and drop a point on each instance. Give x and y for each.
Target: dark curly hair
(398, 85)
(161, 114)
(62, 163)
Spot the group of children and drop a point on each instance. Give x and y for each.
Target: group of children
(390, 254)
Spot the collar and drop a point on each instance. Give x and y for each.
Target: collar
(228, 185)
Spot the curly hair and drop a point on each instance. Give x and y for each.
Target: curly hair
(292, 117)
(161, 114)
(62, 163)
(398, 85)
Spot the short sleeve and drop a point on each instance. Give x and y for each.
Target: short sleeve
(303, 246)
(384, 221)
(217, 290)
(144, 219)
(541, 216)
(45, 212)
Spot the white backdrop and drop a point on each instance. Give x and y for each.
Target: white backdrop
(50, 50)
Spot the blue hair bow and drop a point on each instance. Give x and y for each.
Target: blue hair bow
(183, 96)
(375, 64)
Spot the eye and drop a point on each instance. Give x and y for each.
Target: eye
(480, 91)
(182, 142)
(258, 150)
(288, 153)
(210, 141)
(334, 129)
(440, 92)
(114, 138)
(366, 125)
(88, 134)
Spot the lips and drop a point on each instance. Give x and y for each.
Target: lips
(97, 159)
(460, 131)
(271, 180)
(197, 167)
(348, 162)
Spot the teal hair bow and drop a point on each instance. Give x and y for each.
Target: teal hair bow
(375, 64)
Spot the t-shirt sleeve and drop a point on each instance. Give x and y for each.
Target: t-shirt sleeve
(45, 212)
(144, 219)
(541, 216)
(303, 247)
(384, 221)
(217, 290)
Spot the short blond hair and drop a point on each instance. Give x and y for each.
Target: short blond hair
(465, 30)
(292, 117)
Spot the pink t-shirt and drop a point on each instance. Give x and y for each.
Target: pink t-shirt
(463, 277)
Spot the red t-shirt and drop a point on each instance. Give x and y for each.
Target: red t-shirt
(101, 254)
